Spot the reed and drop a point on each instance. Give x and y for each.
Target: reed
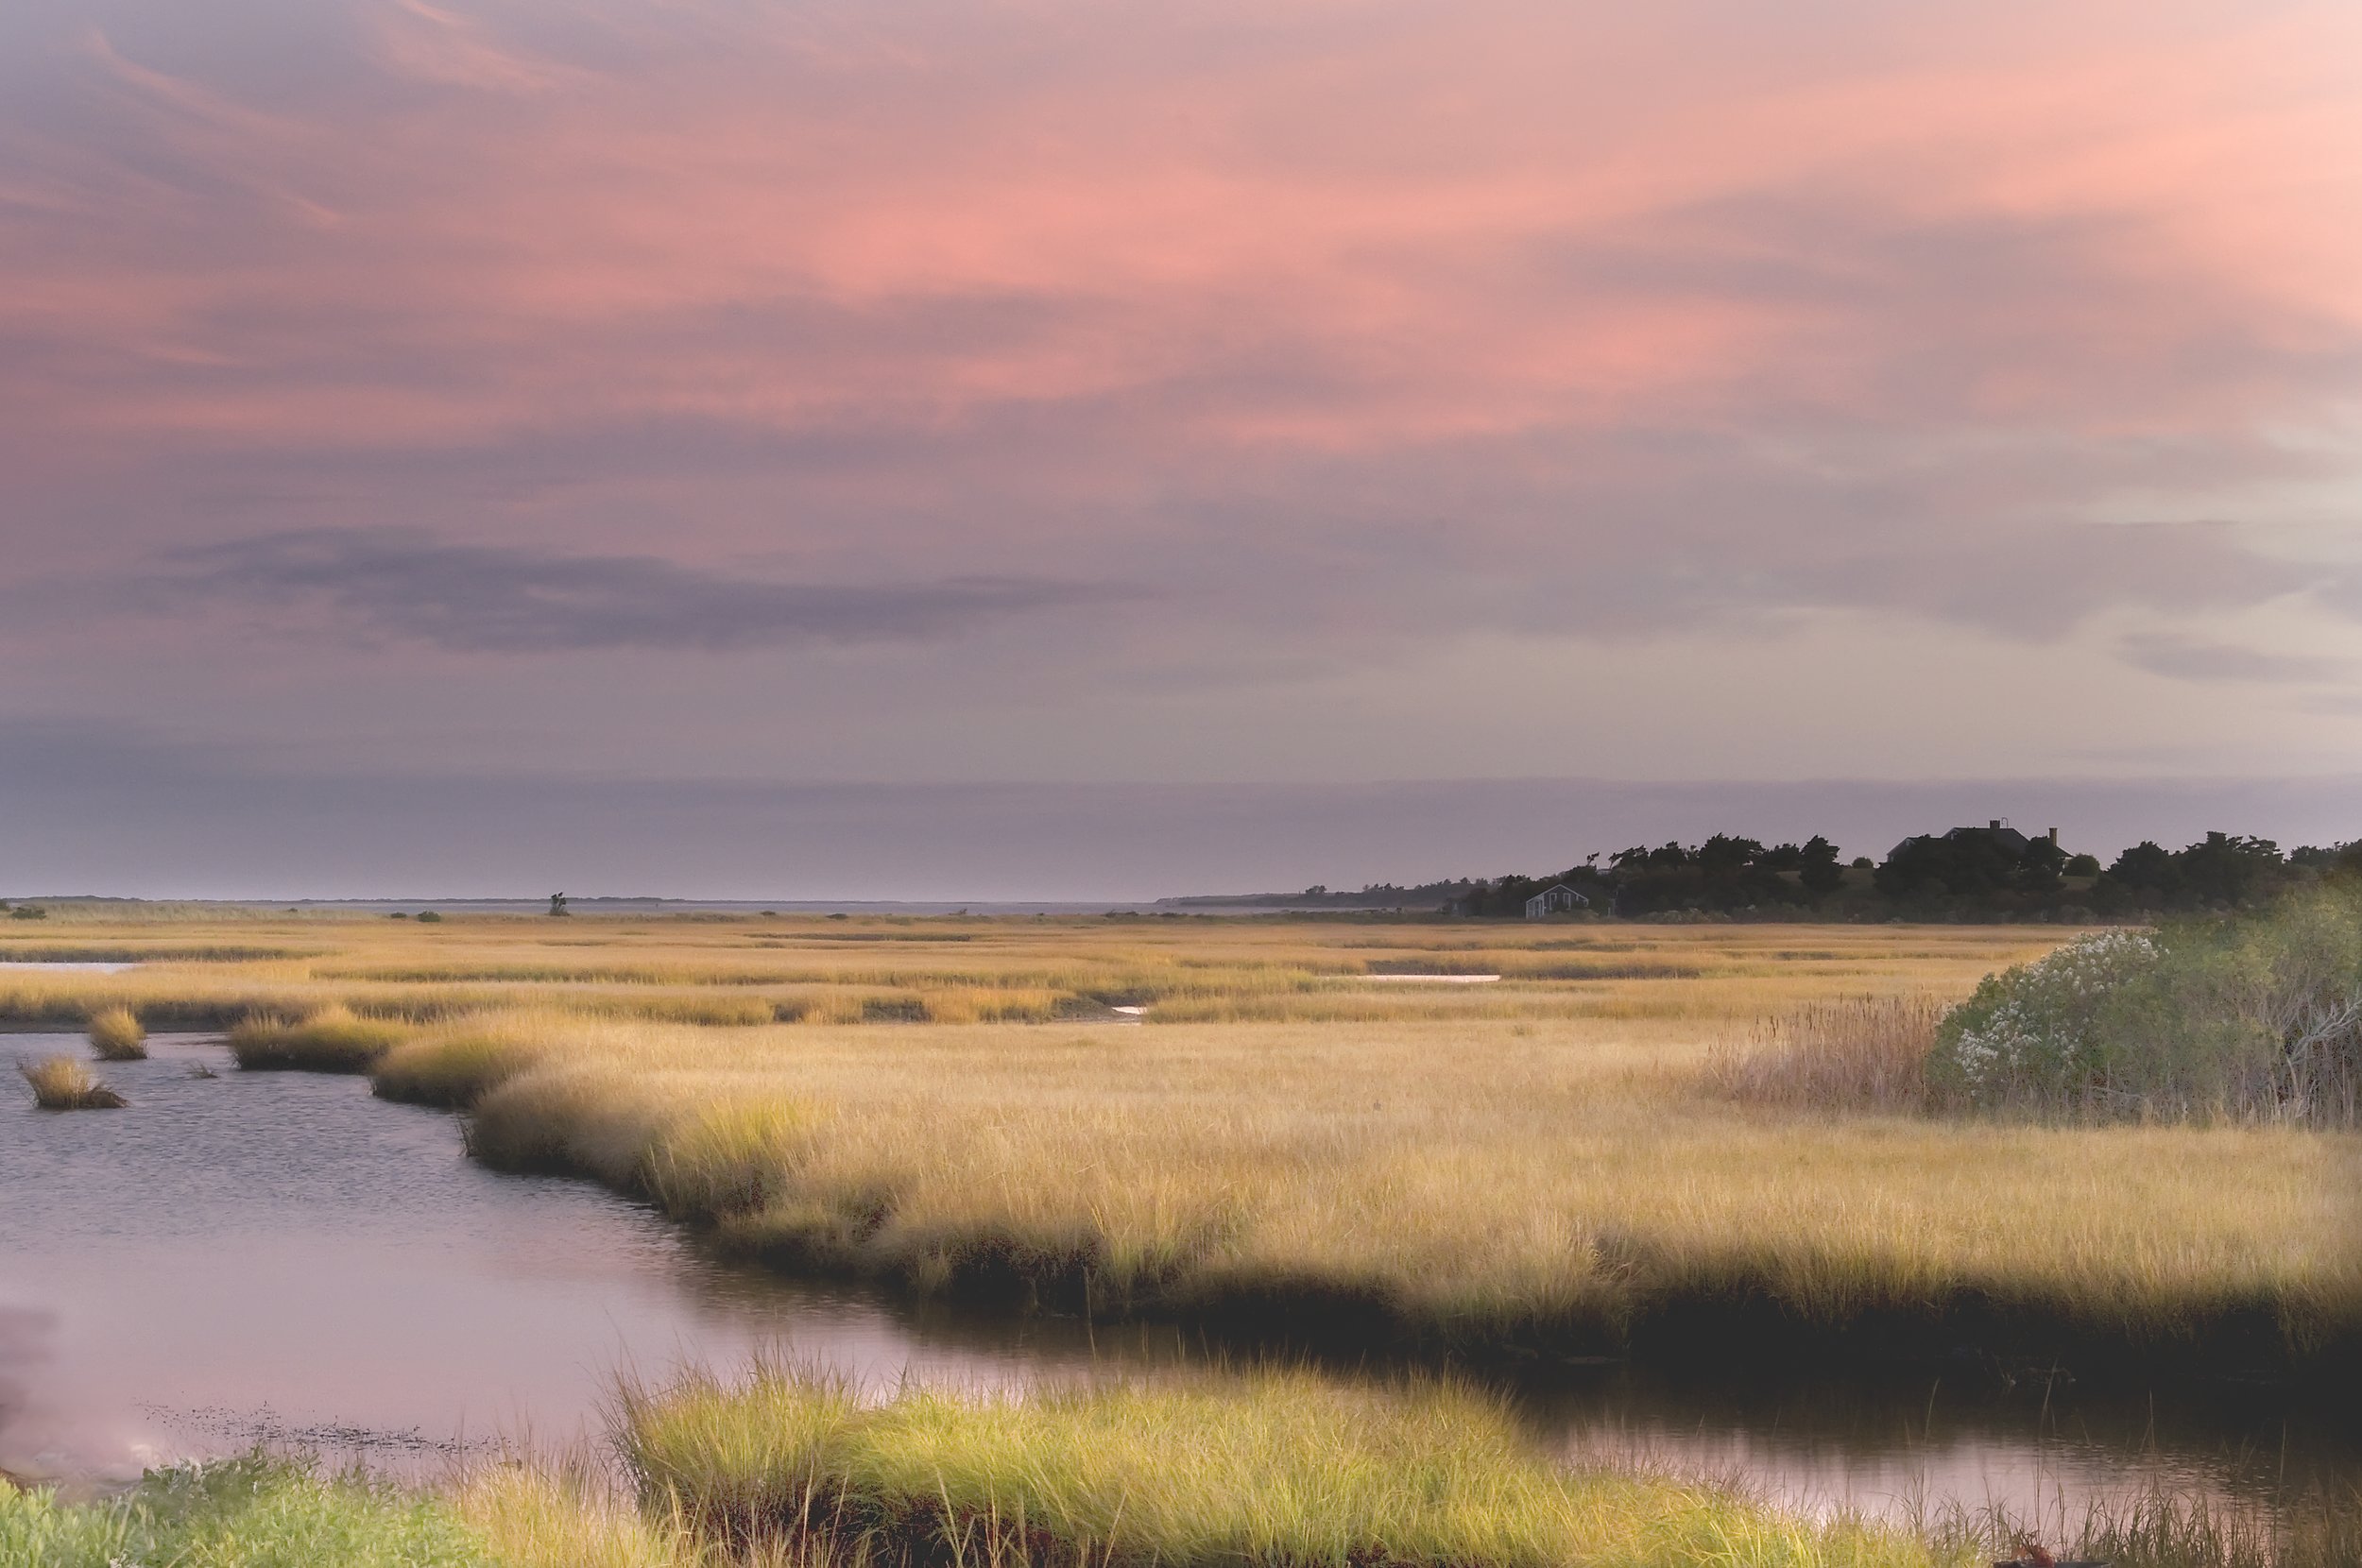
(2163, 1528)
(61, 1083)
(1856, 1053)
(115, 1036)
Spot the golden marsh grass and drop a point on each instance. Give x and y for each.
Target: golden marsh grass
(1556, 1160)
(115, 1036)
(61, 1083)
(327, 1039)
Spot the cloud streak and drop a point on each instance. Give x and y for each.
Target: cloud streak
(2191, 659)
(402, 585)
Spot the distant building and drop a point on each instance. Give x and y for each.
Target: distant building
(1997, 830)
(1560, 900)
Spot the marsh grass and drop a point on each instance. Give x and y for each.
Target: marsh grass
(252, 1512)
(115, 1036)
(542, 1514)
(328, 1039)
(786, 1469)
(1473, 1186)
(1854, 1053)
(61, 1083)
(1523, 1166)
(210, 973)
(1270, 1468)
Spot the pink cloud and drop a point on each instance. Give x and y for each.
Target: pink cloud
(1368, 197)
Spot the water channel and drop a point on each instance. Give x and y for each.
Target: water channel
(284, 1258)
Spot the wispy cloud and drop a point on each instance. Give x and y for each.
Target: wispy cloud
(388, 584)
(442, 45)
(2193, 659)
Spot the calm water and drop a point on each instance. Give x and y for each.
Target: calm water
(281, 1257)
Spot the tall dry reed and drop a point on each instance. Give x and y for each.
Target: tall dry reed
(1855, 1054)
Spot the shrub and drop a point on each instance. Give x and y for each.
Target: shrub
(116, 1035)
(2034, 1033)
(2255, 1017)
(61, 1083)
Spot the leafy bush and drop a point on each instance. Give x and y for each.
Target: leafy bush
(2257, 1018)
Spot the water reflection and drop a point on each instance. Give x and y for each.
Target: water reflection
(1906, 1442)
(281, 1257)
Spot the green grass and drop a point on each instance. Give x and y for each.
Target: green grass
(252, 1512)
(1276, 1468)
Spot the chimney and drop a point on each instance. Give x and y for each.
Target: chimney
(1994, 825)
(2054, 838)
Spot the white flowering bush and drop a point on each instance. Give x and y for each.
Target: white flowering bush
(2255, 1017)
(2035, 1031)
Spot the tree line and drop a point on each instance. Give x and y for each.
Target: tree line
(1972, 874)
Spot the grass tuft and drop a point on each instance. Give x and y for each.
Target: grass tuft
(460, 1061)
(116, 1035)
(61, 1083)
(328, 1039)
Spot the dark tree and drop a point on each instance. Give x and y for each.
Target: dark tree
(1817, 868)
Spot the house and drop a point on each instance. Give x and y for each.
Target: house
(1560, 900)
(1997, 830)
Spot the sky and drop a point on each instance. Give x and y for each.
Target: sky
(1064, 450)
